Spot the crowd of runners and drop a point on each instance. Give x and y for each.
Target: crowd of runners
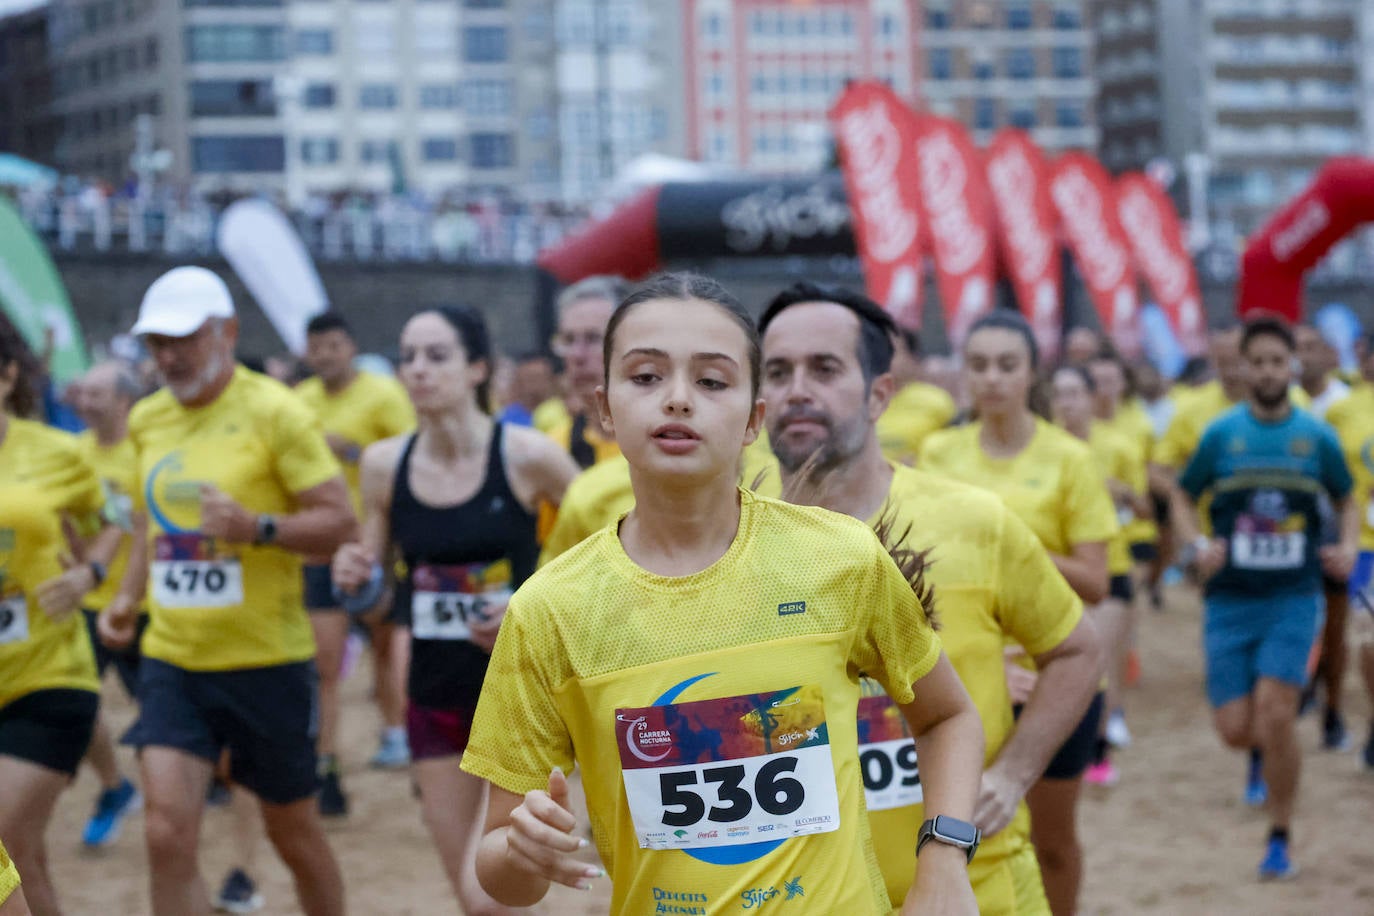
(672, 567)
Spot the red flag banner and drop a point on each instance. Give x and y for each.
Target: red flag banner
(876, 133)
(1340, 198)
(1018, 178)
(1156, 238)
(956, 205)
(1083, 194)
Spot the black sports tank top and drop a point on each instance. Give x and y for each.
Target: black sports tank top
(458, 560)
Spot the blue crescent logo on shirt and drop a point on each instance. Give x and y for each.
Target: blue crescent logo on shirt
(1367, 454)
(170, 462)
(719, 855)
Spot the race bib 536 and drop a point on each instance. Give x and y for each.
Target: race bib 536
(724, 772)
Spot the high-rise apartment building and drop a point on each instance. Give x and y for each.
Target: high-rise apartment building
(1019, 63)
(761, 75)
(27, 127)
(1130, 83)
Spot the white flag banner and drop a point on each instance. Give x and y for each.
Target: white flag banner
(268, 255)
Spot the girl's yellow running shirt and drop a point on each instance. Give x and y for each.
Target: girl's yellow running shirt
(1353, 420)
(713, 715)
(43, 476)
(216, 606)
(1054, 484)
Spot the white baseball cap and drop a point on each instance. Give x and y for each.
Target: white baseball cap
(180, 301)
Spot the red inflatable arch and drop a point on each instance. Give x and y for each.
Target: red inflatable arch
(1340, 198)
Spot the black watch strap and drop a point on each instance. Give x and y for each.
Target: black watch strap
(951, 832)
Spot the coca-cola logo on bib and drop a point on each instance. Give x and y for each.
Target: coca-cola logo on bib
(1080, 207)
(873, 147)
(1013, 182)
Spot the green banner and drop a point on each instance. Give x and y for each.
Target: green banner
(32, 295)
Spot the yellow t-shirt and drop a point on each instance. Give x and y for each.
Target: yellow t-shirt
(1120, 459)
(1054, 484)
(9, 875)
(603, 449)
(372, 407)
(993, 583)
(216, 606)
(1353, 420)
(42, 477)
(755, 659)
(1132, 422)
(915, 412)
(117, 468)
(550, 415)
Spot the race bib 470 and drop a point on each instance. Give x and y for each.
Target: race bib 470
(187, 573)
(724, 772)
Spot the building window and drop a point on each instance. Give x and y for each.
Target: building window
(232, 98)
(373, 37)
(377, 96)
(231, 3)
(1068, 113)
(941, 63)
(984, 114)
(150, 53)
(314, 41)
(373, 151)
(983, 70)
(484, 44)
(1019, 17)
(318, 95)
(539, 125)
(237, 154)
(1023, 115)
(432, 40)
(1021, 63)
(713, 26)
(233, 43)
(1068, 17)
(937, 19)
(319, 150)
(438, 96)
(1068, 63)
(485, 4)
(492, 98)
(493, 151)
(439, 149)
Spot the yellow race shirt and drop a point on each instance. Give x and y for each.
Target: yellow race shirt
(117, 468)
(372, 407)
(1053, 485)
(217, 606)
(993, 583)
(9, 875)
(1119, 459)
(713, 715)
(1131, 422)
(549, 415)
(42, 477)
(596, 497)
(914, 413)
(1353, 420)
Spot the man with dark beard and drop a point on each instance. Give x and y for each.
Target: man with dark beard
(1265, 464)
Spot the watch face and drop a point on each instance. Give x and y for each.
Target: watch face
(959, 831)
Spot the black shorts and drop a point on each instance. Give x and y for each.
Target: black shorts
(268, 718)
(319, 589)
(1144, 551)
(1121, 589)
(125, 661)
(1076, 754)
(1161, 505)
(51, 728)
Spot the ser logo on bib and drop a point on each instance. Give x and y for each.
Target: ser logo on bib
(728, 780)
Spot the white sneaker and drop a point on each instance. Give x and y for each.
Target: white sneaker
(1118, 735)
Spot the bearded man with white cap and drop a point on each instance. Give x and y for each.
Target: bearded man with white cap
(236, 484)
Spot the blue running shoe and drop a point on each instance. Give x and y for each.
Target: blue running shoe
(239, 894)
(1256, 792)
(111, 808)
(1276, 865)
(393, 753)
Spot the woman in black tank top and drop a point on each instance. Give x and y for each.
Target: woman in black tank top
(456, 501)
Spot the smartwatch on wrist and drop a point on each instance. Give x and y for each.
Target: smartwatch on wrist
(98, 572)
(950, 831)
(267, 530)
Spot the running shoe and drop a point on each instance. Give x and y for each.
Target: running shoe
(1276, 865)
(1334, 735)
(239, 894)
(1117, 734)
(1103, 774)
(111, 808)
(333, 802)
(1369, 750)
(393, 753)
(1256, 791)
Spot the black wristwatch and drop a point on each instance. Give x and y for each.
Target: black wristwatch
(267, 530)
(98, 572)
(950, 831)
